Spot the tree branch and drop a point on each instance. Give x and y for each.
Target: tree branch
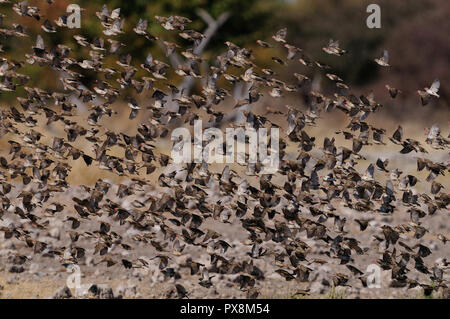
(213, 26)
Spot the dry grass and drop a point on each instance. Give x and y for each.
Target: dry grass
(26, 289)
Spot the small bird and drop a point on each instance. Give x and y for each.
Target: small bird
(442, 238)
(280, 36)
(393, 92)
(194, 224)
(48, 27)
(384, 60)
(427, 93)
(264, 44)
(39, 47)
(333, 48)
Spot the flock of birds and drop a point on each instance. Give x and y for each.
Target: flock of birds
(307, 205)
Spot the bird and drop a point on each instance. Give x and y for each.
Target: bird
(280, 36)
(152, 214)
(393, 92)
(384, 60)
(333, 48)
(427, 93)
